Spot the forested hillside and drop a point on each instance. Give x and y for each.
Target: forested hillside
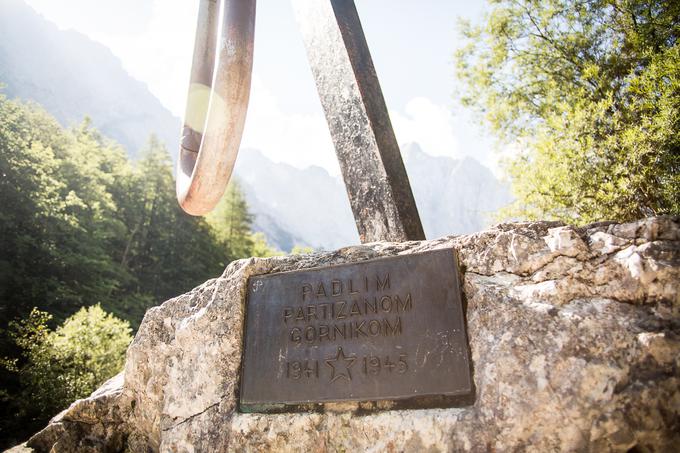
(81, 225)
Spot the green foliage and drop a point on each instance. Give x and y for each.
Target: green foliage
(163, 251)
(231, 220)
(81, 225)
(261, 248)
(300, 250)
(591, 91)
(54, 219)
(70, 362)
(232, 223)
(58, 366)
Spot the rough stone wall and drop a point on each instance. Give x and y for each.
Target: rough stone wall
(574, 334)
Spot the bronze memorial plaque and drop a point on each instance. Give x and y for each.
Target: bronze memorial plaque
(385, 329)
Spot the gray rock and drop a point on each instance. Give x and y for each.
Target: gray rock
(574, 334)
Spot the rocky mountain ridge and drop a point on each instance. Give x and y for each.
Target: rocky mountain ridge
(453, 197)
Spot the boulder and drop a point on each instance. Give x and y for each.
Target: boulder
(574, 336)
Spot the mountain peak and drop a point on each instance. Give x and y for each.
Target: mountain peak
(411, 149)
(470, 163)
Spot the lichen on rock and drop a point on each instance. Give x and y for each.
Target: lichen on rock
(574, 335)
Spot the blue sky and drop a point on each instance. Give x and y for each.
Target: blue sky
(412, 43)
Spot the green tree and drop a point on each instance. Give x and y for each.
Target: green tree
(56, 223)
(261, 248)
(301, 250)
(163, 251)
(56, 216)
(231, 222)
(82, 226)
(60, 366)
(590, 90)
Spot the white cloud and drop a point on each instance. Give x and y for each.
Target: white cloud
(297, 139)
(431, 126)
(441, 131)
(503, 154)
(303, 139)
(154, 40)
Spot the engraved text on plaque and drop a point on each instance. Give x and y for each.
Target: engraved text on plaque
(384, 329)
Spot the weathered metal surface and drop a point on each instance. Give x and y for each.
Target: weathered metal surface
(371, 164)
(386, 329)
(216, 106)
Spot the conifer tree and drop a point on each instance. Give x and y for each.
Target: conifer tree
(232, 223)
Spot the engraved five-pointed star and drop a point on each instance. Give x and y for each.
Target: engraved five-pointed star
(341, 365)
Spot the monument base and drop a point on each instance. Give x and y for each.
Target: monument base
(573, 334)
